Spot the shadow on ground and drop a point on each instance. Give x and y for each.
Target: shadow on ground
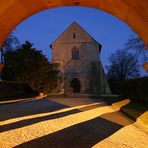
(83, 135)
(35, 120)
(134, 110)
(27, 108)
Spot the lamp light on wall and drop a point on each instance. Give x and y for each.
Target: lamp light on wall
(1, 67)
(145, 65)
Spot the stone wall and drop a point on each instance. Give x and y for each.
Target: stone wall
(101, 85)
(81, 68)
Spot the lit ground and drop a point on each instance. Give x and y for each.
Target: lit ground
(68, 123)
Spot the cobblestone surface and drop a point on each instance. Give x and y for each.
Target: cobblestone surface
(68, 123)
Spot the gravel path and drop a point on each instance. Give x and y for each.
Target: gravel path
(68, 123)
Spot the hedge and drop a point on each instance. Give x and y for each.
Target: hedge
(13, 90)
(136, 89)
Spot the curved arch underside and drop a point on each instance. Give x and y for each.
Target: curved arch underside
(133, 12)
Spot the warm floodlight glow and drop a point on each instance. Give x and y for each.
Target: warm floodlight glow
(134, 13)
(1, 67)
(146, 66)
(81, 122)
(43, 114)
(46, 127)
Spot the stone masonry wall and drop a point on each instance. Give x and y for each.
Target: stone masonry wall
(89, 50)
(81, 68)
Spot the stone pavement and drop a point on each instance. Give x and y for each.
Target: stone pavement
(68, 123)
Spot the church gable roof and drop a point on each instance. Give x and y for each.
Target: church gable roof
(74, 34)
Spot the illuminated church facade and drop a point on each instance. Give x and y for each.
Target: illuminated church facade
(78, 57)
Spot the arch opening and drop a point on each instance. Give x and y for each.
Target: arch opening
(75, 84)
(133, 13)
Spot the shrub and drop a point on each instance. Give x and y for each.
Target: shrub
(30, 66)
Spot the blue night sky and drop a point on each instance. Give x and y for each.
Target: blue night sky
(43, 28)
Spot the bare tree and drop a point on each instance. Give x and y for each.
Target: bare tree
(137, 46)
(123, 66)
(10, 43)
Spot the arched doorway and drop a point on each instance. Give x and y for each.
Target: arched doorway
(133, 12)
(75, 84)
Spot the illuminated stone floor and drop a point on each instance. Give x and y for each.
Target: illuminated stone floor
(68, 123)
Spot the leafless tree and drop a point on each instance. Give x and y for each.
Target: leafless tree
(123, 66)
(10, 43)
(138, 48)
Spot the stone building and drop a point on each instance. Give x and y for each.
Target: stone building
(77, 56)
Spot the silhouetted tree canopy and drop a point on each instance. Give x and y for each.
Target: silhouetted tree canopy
(123, 66)
(10, 43)
(29, 65)
(138, 48)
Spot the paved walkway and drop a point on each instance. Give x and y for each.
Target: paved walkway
(68, 123)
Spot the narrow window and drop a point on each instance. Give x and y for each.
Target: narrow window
(75, 53)
(74, 35)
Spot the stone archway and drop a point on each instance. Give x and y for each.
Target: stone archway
(133, 12)
(75, 84)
